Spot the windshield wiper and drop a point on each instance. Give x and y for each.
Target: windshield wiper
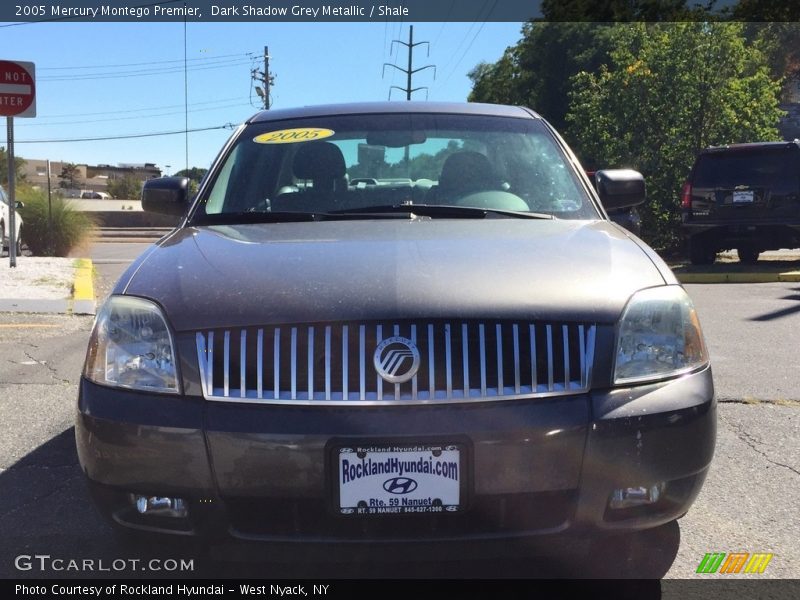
(256, 217)
(389, 211)
(443, 211)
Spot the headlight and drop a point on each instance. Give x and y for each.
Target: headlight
(659, 336)
(131, 347)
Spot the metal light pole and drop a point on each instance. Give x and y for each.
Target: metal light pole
(12, 195)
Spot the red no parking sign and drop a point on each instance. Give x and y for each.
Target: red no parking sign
(17, 89)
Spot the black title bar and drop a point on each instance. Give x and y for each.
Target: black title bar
(272, 10)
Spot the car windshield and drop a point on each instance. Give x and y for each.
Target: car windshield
(352, 163)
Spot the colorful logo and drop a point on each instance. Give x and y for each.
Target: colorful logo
(735, 562)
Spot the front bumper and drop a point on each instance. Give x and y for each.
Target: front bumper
(537, 467)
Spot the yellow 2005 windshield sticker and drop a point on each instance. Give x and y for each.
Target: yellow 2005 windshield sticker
(291, 136)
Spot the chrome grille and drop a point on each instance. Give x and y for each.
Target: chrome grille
(333, 363)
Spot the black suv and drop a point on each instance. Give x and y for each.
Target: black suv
(743, 196)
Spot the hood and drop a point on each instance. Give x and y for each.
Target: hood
(264, 274)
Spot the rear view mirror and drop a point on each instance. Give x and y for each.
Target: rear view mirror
(396, 139)
(166, 195)
(620, 188)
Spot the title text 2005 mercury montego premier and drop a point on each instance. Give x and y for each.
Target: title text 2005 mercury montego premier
(396, 324)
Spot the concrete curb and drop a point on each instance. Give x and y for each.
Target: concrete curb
(753, 277)
(82, 301)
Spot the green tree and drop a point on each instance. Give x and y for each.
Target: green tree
(668, 91)
(69, 176)
(536, 72)
(195, 173)
(127, 187)
(573, 36)
(766, 10)
(19, 163)
(780, 44)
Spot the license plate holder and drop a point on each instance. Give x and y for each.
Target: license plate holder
(743, 197)
(403, 478)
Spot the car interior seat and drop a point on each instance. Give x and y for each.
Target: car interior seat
(322, 164)
(463, 173)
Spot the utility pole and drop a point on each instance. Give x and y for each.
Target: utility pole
(265, 78)
(410, 70)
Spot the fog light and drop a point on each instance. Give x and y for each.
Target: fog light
(636, 496)
(160, 506)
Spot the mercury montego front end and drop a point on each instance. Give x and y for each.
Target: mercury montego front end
(396, 323)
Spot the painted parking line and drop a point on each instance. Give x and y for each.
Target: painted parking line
(29, 326)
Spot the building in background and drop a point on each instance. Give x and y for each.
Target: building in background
(88, 178)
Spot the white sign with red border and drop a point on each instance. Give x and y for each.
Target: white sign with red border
(17, 89)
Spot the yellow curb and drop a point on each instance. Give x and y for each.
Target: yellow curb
(738, 277)
(790, 276)
(83, 285)
(753, 277)
(702, 277)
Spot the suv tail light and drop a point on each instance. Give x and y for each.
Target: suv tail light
(686, 196)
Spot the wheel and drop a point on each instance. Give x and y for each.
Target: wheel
(701, 253)
(18, 243)
(748, 254)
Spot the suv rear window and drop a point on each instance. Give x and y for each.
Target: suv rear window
(776, 169)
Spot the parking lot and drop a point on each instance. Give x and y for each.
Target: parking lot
(749, 502)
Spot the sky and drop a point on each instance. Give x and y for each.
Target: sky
(97, 79)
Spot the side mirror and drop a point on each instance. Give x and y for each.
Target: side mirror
(166, 195)
(19, 205)
(620, 188)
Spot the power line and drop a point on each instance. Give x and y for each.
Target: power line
(474, 37)
(463, 40)
(130, 110)
(128, 118)
(444, 23)
(410, 70)
(124, 137)
(144, 73)
(141, 64)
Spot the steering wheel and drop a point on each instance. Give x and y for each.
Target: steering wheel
(497, 199)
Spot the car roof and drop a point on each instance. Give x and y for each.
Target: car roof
(359, 108)
(752, 146)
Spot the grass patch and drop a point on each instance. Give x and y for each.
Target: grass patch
(70, 228)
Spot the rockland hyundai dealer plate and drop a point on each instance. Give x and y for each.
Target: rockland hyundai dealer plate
(400, 479)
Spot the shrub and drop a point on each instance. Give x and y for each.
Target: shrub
(71, 228)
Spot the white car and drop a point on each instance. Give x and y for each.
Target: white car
(5, 228)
